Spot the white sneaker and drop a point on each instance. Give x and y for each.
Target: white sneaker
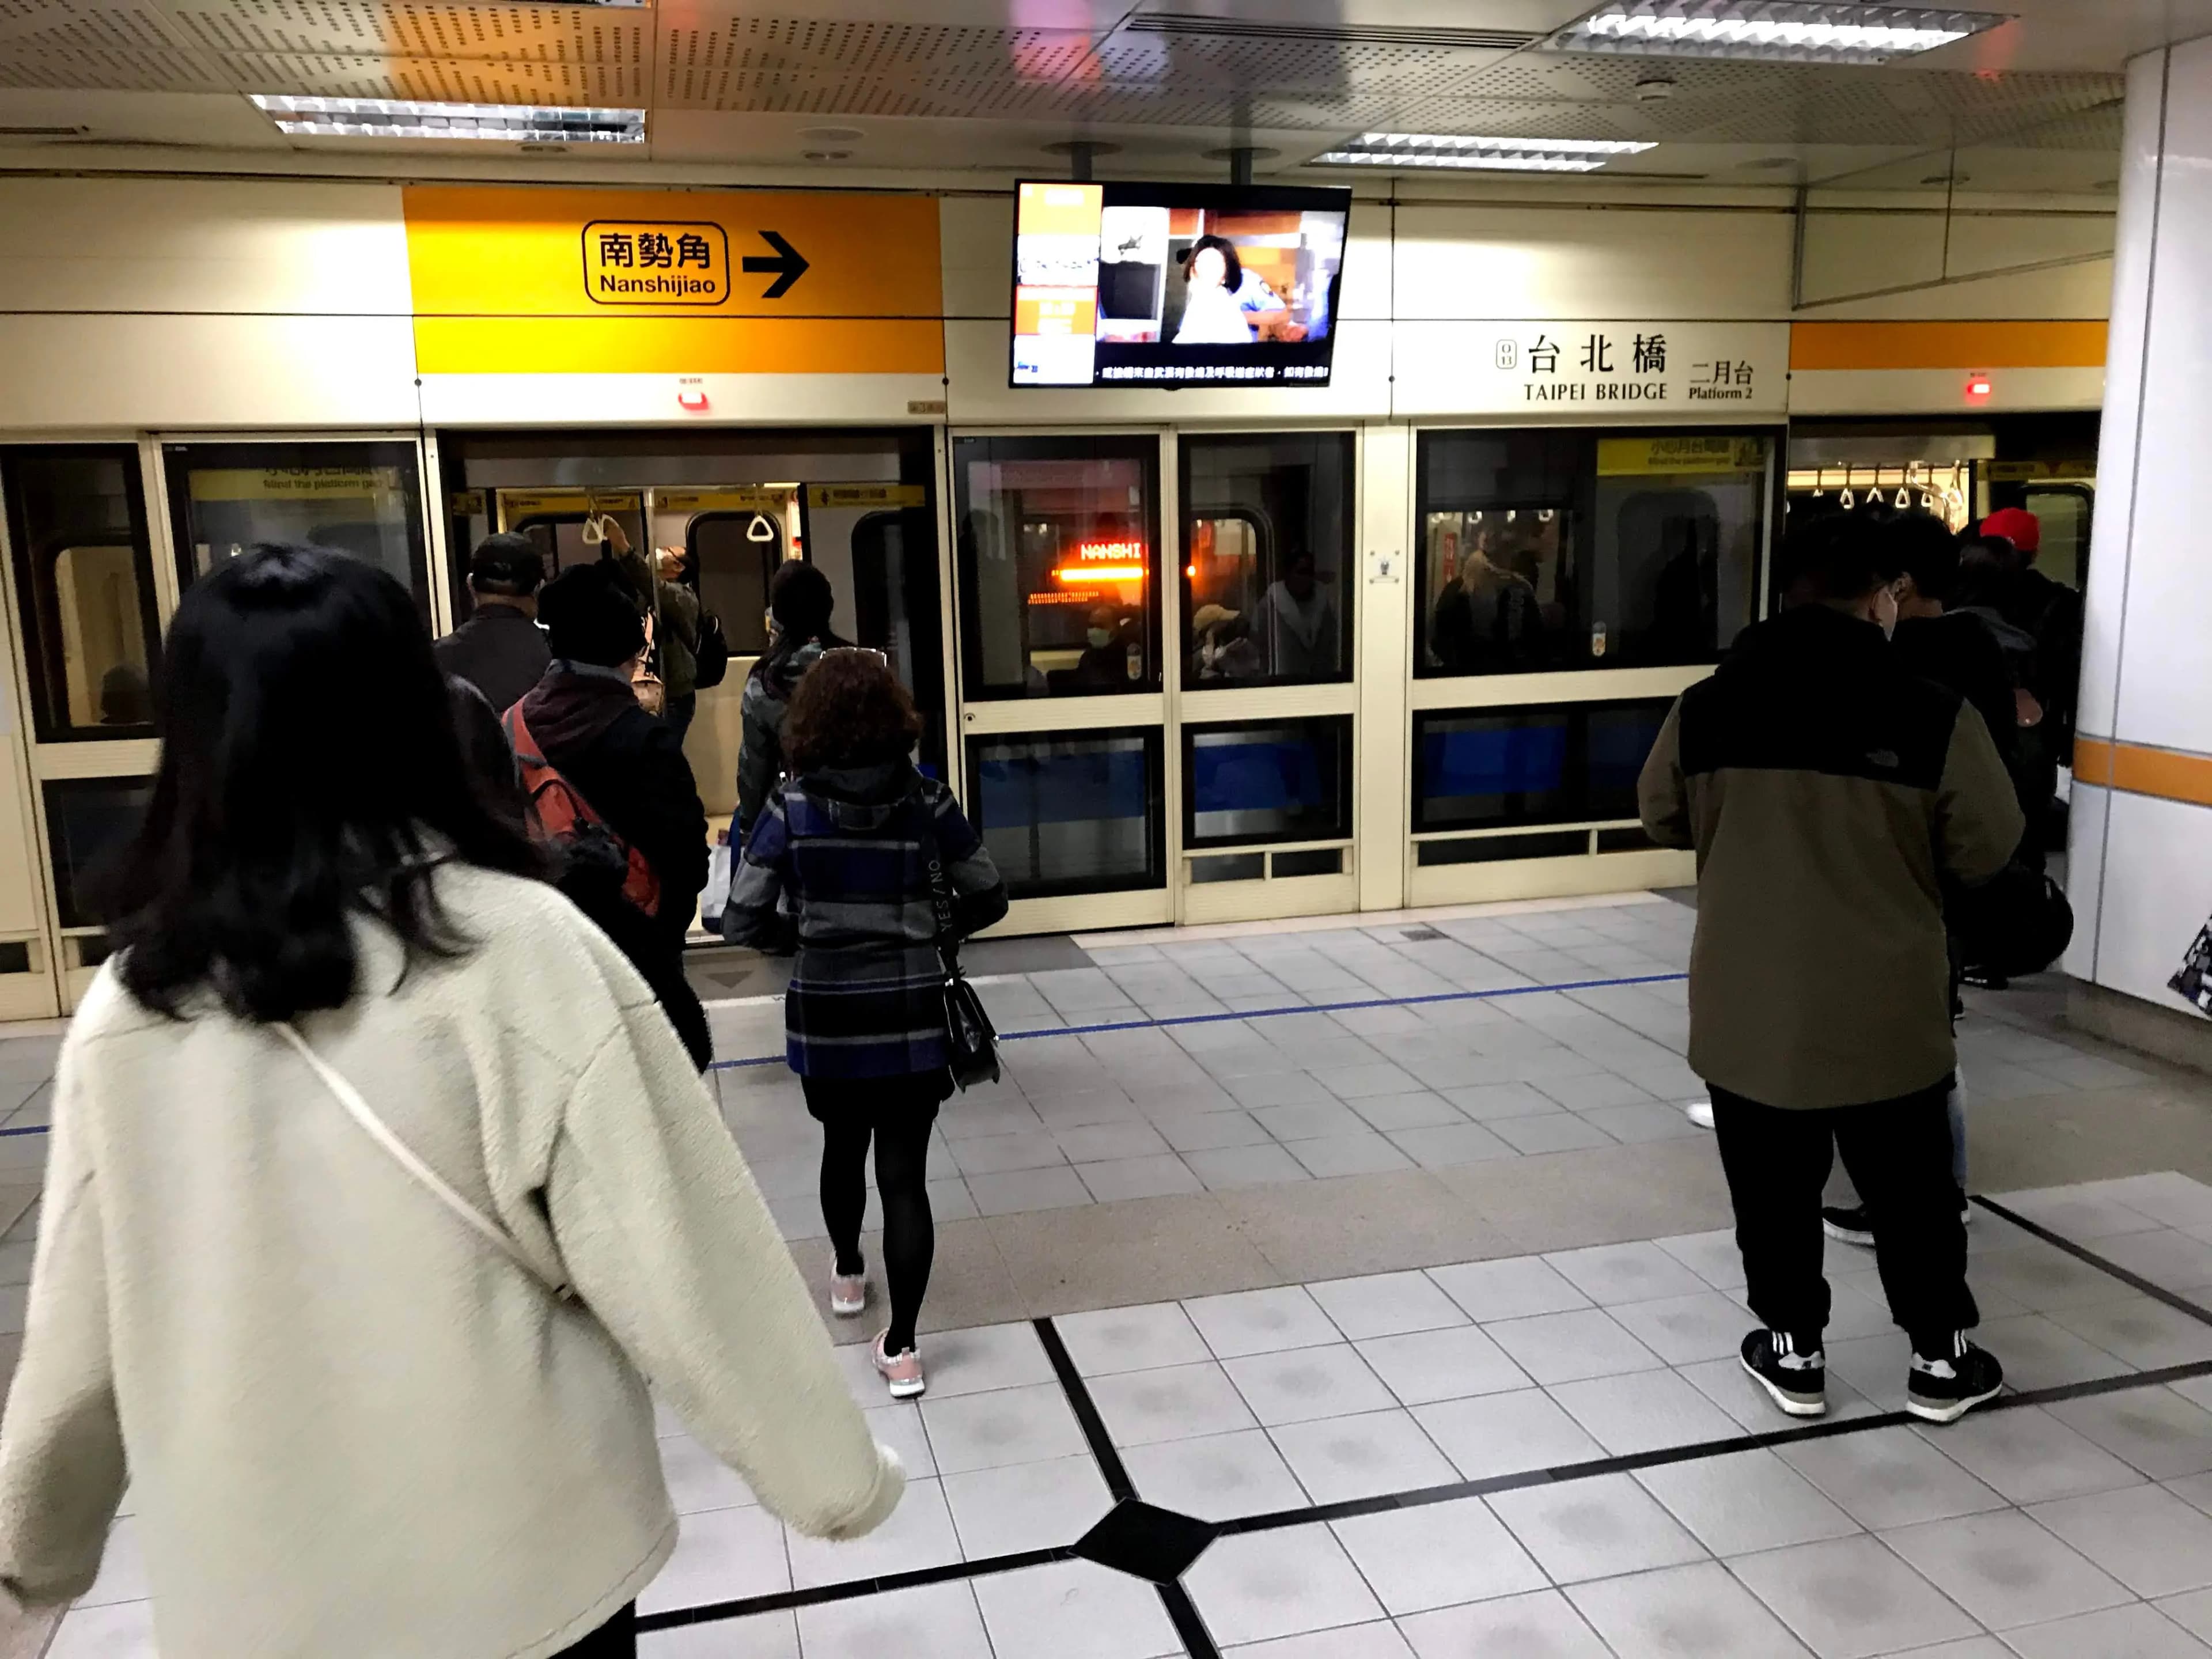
(1701, 1112)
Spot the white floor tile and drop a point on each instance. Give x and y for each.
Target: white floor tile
(986, 1356)
(2144, 1536)
(2005, 1570)
(1261, 1321)
(121, 1629)
(1541, 1625)
(2162, 1432)
(722, 1555)
(1116, 1340)
(2131, 1632)
(918, 1533)
(1376, 1641)
(2142, 1331)
(1178, 1402)
(763, 1636)
(1362, 1456)
(1695, 1612)
(1644, 1411)
(1438, 1555)
(932, 1621)
(122, 1574)
(1423, 1366)
(1596, 1528)
(1073, 1610)
(1255, 1586)
(2029, 1455)
(1506, 1434)
(1005, 1425)
(1386, 1304)
(1684, 1330)
(1565, 1347)
(1745, 1501)
(1849, 1597)
(1301, 1384)
(1220, 1476)
(1026, 1506)
(698, 1479)
(1515, 1287)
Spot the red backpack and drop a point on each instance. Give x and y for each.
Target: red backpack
(559, 814)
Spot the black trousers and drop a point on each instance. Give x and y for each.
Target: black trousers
(616, 1639)
(1899, 1155)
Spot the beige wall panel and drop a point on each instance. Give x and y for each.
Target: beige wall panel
(194, 244)
(124, 372)
(1941, 391)
(1486, 262)
(978, 354)
(619, 399)
(1849, 253)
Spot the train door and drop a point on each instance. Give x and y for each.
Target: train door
(1062, 693)
(556, 521)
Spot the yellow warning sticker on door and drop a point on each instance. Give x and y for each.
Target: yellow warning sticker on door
(1632, 458)
(864, 494)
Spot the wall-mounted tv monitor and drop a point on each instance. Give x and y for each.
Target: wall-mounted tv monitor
(1136, 284)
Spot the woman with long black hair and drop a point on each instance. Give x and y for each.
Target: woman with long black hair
(799, 601)
(379, 1185)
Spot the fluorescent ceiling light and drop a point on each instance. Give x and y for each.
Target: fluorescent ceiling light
(1787, 31)
(397, 117)
(1430, 149)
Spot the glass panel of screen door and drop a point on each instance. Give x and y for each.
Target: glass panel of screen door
(88, 821)
(1543, 550)
(1561, 763)
(1267, 781)
(364, 499)
(1267, 595)
(1072, 812)
(1059, 564)
(84, 580)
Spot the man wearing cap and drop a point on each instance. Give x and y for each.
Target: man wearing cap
(1225, 651)
(500, 650)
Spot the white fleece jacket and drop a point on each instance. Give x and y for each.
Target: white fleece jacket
(354, 1430)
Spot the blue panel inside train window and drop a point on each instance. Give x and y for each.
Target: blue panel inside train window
(1493, 769)
(1065, 814)
(1619, 741)
(1283, 781)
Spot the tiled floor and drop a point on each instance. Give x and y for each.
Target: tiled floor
(1301, 1265)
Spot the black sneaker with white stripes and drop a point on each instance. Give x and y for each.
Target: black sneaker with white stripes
(1847, 1224)
(1796, 1378)
(1943, 1388)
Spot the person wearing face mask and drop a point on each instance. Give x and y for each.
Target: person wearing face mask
(1107, 654)
(1830, 796)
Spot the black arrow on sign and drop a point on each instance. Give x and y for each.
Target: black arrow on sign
(788, 265)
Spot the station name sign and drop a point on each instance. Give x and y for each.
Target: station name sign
(1566, 365)
(1632, 368)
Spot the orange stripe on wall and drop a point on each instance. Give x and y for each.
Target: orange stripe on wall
(1947, 345)
(2140, 771)
(679, 345)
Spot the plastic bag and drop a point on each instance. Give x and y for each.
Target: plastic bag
(715, 895)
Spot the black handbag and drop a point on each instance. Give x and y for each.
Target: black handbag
(971, 1042)
(2017, 924)
(712, 653)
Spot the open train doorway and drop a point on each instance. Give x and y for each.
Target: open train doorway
(718, 512)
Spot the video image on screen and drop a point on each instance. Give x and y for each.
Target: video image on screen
(1175, 284)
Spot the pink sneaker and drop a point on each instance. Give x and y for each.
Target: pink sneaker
(902, 1372)
(848, 1293)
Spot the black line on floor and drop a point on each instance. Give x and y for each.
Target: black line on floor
(2179, 1304)
(1183, 1612)
(785, 1601)
(1086, 1412)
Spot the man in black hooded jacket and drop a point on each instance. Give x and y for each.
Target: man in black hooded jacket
(630, 768)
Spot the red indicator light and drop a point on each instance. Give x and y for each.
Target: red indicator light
(1979, 388)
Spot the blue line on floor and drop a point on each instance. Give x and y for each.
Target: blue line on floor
(1275, 1013)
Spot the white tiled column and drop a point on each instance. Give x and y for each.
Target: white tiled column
(2140, 871)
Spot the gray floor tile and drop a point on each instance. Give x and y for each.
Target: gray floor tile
(2162, 1432)
(1386, 1304)
(1611, 1273)
(1178, 1403)
(2142, 1331)
(1506, 1434)
(1644, 1411)
(1019, 1190)
(2038, 1352)
(1486, 1102)
(2167, 1257)
(1453, 1364)
(1696, 1612)
(1086, 1108)
(2029, 1455)
(1745, 1501)
(2130, 1632)
(2144, 1536)
(1006, 1425)
(1097, 1143)
(1438, 1555)
(2005, 1570)
(1026, 1506)
(2192, 1611)
(1551, 1132)
(1073, 1610)
(984, 1358)
(1273, 1089)
(1227, 1167)
(1257, 1586)
(934, 1621)
(1379, 1640)
(1137, 1338)
(1160, 1177)
(1889, 1478)
(918, 1533)
(1261, 1321)
(1712, 1256)
(1590, 1090)
(2083, 1216)
(1422, 1110)
(723, 1555)
(1849, 1598)
(1448, 1145)
(994, 1154)
(1351, 1154)
(1218, 1477)
(2166, 1197)
(2044, 1278)
(1648, 1122)
(1515, 1287)
(1311, 1121)
(1683, 1330)
(1300, 1385)
(1596, 1528)
(1542, 1625)
(1206, 1132)
(1364, 1456)
(1563, 1347)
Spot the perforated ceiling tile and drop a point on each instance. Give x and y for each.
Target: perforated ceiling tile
(106, 69)
(338, 75)
(68, 25)
(574, 33)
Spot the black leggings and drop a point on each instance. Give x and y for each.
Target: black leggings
(897, 1113)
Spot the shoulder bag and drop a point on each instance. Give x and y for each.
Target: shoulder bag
(971, 1042)
(423, 1175)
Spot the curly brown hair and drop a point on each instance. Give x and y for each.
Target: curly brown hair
(849, 710)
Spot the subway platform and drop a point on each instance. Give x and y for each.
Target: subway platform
(1356, 1288)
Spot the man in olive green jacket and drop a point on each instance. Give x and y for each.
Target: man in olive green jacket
(1831, 797)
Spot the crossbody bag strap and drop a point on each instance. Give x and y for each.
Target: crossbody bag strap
(404, 1155)
(940, 891)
